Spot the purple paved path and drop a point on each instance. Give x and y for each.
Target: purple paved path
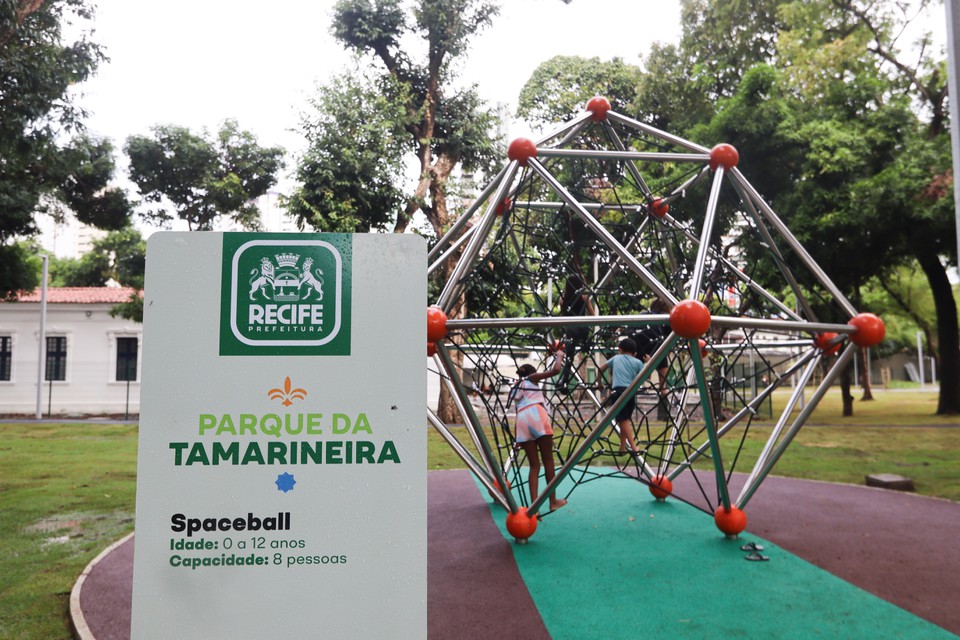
(900, 547)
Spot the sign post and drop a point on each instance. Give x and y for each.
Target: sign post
(281, 484)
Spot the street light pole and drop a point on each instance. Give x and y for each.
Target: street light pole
(43, 336)
(953, 81)
(920, 355)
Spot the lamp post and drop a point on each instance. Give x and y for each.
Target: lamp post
(953, 80)
(43, 335)
(920, 355)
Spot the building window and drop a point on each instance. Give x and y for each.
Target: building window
(56, 358)
(126, 359)
(6, 357)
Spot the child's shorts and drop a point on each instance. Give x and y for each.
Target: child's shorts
(533, 422)
(627, 411)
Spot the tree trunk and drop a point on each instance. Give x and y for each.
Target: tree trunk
(948, 333)
(439, 217)
(846, 381)
(864, 375)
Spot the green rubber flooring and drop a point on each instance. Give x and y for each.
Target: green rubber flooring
(614, 563)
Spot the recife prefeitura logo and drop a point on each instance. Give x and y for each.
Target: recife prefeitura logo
(285, 294)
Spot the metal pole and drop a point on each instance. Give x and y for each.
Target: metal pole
(702, 251)
(733, 322)
(472, 420)
(801, 419)
(623, 155)
(43, 336)
(452, 289)
(778, 428)
(706, 405)
(465, 217)
(792, 241)
(953, 81)
(920, 355)
(663, 135)
(597, 227)
(468, 460)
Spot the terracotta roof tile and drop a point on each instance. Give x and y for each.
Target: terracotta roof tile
(80, 295)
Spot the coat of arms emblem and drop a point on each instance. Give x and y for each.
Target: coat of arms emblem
(285, 279)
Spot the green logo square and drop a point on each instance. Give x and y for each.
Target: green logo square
(285, 294)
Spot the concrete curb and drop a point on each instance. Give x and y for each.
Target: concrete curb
(79, 623)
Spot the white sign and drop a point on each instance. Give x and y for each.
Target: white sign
(281, 483)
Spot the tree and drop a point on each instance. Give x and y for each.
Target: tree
(903, 299)
(861, 158)
(559, 88)
(355, 136)
(119, 256)
(907, 199)
(406, 110)
(411, 112)
(37, 68)
(722, 39)
(202, 179)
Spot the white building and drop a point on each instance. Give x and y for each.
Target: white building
(91, 364)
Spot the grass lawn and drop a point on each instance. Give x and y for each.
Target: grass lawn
(67, 490)
(66, 493)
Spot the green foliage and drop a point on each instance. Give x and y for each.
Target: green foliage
(18, 268)
(200, 179)
(86, 271)
(119, 256)
(721, 40)
(86, 190)
(38, 65)
(349, 178)
(370, 126)
(560, 88)
(667, 97)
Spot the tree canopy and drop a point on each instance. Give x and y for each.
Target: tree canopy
(42, 162)
(555, 92)
(119, 256)
(404, 108)
(838, 124)
(199, 179)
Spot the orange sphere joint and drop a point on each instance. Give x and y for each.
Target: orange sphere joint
(436, 324)
(496, 484)
(659, 208)
(731, 522)
(521, 150)
(504, 206)
(703, 347)
(870, 330)
(724, 155)
(661, 487)
(520, 525)
(690, 319)
(431, 349)
(823, 340)
(598, 106)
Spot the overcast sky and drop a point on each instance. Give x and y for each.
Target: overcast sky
(196, 63)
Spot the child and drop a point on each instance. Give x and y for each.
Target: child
(625, 367)
(534, 432)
